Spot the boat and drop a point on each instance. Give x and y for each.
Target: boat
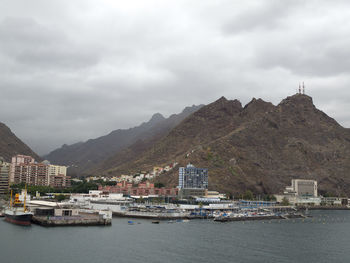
(18, 215)
(155, 222)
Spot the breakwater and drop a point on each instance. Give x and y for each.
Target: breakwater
(252, 218)
(152, 215)
(71, 220)
(319, 207)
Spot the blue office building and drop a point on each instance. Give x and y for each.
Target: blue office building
(192, 177)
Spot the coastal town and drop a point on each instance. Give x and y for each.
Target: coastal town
(174, 131)
(136, 196)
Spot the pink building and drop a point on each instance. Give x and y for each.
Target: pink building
(24, 169)
(19, 160)
(143, 189)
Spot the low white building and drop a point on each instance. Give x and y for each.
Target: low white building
(301, 192)
(304, 187)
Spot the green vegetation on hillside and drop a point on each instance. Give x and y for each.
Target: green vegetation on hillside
(77, 187)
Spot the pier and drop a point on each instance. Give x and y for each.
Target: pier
(253, 218)
(80, 220)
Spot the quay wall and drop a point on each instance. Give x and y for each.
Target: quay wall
(148, 215)
(323, 207)
(70, 221)
(253, 218)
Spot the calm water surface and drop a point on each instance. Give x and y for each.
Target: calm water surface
(323, 238)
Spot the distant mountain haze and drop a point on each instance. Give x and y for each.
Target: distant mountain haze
(82, 156)
(260, 147)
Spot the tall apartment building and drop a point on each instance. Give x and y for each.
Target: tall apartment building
(24, 169)
(4, 176)
(192, 177)
(18, 160)
(57, 176)
(30, 174)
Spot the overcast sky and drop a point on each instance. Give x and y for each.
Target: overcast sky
(74, 70)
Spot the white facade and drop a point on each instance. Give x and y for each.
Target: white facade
(304, 187)
(55, 170)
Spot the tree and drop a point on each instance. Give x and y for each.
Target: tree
(285, 201)
(269, 197)
(60, 197)
(158, 185)
(248, 195)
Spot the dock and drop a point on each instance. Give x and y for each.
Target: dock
(80, 220)
(254, 218)
(152, 215)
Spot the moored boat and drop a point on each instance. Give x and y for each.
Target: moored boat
(18, 217)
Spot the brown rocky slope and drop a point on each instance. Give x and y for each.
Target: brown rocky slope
(10, 145)
(260, 147)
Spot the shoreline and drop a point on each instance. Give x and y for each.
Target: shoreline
(323, 208)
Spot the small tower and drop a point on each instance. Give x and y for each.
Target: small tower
(303, 88)
(299, 89)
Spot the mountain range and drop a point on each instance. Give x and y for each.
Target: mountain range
(83, 156)
(258, 147)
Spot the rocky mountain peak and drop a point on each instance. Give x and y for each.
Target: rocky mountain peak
(157, 117)
(220, 107)
(258, 104)
(298, 100)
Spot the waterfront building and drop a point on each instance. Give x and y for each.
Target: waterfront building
(19, 159)
(143, 189)
(24, 169)
(192, 177)
(301, 188)
(30, 174)
(334, 201)
(57, 176)
(301, 192)
(4, 176)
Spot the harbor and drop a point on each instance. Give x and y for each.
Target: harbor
(24, 211)
(122, 206)
(98, 207)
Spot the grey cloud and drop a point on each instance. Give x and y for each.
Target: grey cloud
(319, 58)
(34, 45)
(70, 71)
(314, 44)
(261, 15)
